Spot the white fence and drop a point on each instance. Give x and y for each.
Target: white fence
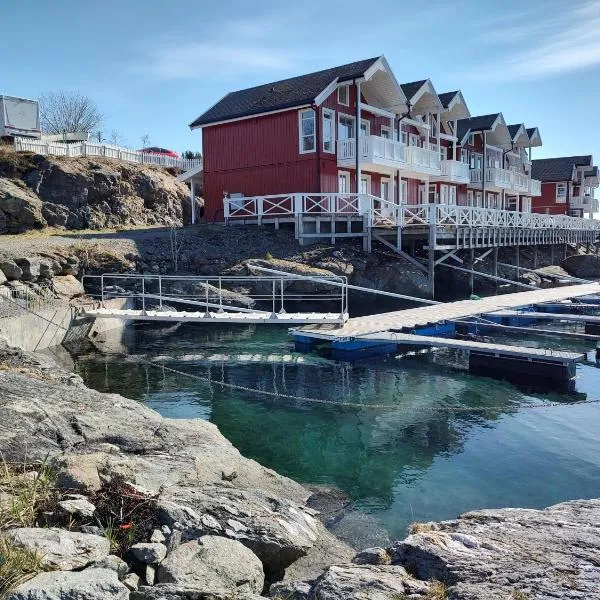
(380, 211)
(105, 150)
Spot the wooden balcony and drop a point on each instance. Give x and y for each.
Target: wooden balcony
(453, 171)
(503, 179)
(385, 155)
(587, 203)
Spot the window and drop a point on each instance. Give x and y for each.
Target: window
(365, 127)
(343, 95)
(386, 188)
(365, 184)
(447, 194)
(404, 137)
(345, 127)
(464, 156)
(443, 153)
(403, 192)
(476, 160)
(432, 193)
(526, 205)
(479, 199)
(413, 139)
(343, 182)
(385, 132)
(433, 126)
(470, 197)
(561, 192)
(328, 130)
(308, 142)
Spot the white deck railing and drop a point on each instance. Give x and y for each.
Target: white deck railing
(510, 180)
(455, 168)
(535, 187)
(380, 211)
(420, 157)
(78, 149)
(373, 148)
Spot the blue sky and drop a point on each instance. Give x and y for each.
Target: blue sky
(153, 66)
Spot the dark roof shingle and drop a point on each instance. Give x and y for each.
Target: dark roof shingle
(513, 129)
(447, 97)
(474, 124)
(410, 89)
(278, 95)
(558, 169)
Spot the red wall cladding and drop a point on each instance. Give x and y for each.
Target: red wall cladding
(546, 203)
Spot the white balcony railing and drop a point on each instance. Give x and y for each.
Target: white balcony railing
(420, 157)
(373, 148)
(455, 169)
(520, 182)
(377, 210)
(535, 187)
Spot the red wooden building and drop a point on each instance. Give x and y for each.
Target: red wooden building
(415, 146)
(568, 184)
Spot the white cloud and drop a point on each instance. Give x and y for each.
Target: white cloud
(237, 47)
(567, 41)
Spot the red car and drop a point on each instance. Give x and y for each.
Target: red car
(159, 151)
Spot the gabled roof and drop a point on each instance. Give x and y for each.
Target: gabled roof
(475, 125)
(279, 95)
(447, 97)
(514, 130)
(558, 169)
(593, 172)
(410, 89)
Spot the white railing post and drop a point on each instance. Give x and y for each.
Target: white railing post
(260, 209)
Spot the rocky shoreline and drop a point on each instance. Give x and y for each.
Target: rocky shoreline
(194, 519)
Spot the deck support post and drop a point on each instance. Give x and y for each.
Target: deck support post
(518, 256)
(471, 267)
(552, 254)
(535, 257)
(432, 243)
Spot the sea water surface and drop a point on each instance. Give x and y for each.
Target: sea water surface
(411, 438)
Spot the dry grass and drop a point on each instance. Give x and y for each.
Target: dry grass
(519, 595)
(29, 371)
(25, 491)
(17, 565)
(420, 528)
(437, 591)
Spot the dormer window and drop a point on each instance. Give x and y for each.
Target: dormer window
(343, 95)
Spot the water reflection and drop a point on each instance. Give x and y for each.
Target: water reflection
(445, 442)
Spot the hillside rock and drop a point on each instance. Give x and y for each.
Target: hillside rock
(11, 270)
(61, 549)
(582, 265)
(213, 564)
(67, 286)
(90, 584)
(550, 553)
(20, 208)
(88, 193)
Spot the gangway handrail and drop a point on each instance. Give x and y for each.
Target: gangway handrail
(349, 286)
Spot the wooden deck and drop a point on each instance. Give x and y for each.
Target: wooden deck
(426, 315)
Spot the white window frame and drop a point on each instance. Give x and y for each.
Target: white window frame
(367, 128)
(333, 122)
(403, 192)
(561, 198)
(389, 181)
(421, 194)
(366, 177)
(413, 139)
(432, 188)
(443, 152)
(470, 198)
(301, 136)
(464, 155)
(347, 90)
(388, 131)
(404, 137)
(339, 118)
(346, 176)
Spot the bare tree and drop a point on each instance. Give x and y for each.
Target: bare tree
(115, 138)
(68, 112)
(145, 140)
(177, 242)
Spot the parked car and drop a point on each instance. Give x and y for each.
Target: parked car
(160, 151)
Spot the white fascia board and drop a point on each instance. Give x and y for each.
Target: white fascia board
(450, 138)
(377, 111)
(427, 87)
(414, 123)
(245, 117)
(326, 92)
(382, 64)
(209, 108)
(458, 97)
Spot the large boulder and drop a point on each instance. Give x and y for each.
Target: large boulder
(67, 286)
(213, 564)
(582, 265)
(11, 270)
(550, 553)
(61, 549)
(169, 591)
(20, 208)
(359, 582)
(90, 584)
(30, 266)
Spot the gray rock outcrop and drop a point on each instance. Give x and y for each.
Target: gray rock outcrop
(582, 265)
(149, 553)
(213, 564)
(20, 208)
(61, 549)
(90, 584)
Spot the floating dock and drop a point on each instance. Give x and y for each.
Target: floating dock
(436, 326)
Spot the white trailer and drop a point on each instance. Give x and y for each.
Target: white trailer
(19, 117)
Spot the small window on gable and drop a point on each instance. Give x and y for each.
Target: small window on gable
(343, 95)
(307, 130)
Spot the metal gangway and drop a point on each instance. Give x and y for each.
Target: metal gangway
(267, 298)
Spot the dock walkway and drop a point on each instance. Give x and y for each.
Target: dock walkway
(426, 315)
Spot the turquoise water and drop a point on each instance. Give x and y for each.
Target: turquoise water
(446, 442)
